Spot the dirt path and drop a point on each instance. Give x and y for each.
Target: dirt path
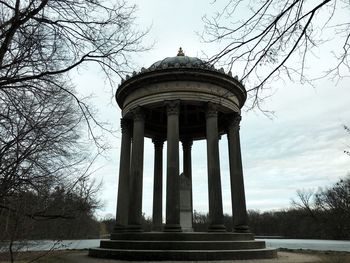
(283, 257)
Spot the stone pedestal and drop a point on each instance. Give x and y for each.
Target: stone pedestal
(182, 246)
(185, 204)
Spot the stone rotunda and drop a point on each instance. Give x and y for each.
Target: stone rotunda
(179, 99)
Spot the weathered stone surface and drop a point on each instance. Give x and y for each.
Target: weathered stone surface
(193, 236)
(180, 99)
(182, 246)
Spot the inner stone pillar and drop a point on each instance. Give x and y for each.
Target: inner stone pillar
(216, 217)
(124, 169)
(136, 172)
(239, 212)
(186, 200)
(172, 188)
(157, 185)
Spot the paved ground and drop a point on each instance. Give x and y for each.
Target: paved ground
(283, 257)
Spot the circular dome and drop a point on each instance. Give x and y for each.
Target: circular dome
(180, 61)
(189, 80)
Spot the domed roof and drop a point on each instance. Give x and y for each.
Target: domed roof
(180, 61)
(180, 77)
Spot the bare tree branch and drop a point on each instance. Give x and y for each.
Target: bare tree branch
(276, 39)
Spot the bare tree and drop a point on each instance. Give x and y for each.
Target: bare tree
(305, 201)
(41, 41)
(42, 38)
(336, 198)
(41, 116)
(39, 139)
(329, 206)
(44, 163)
(348, 130)
(269, 39)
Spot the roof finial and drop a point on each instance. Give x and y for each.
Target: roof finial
(180, 52)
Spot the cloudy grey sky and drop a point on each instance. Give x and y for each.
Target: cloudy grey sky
(301, 147)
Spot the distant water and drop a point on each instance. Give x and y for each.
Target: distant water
(333, 245)
(45, 245)
(314, 244)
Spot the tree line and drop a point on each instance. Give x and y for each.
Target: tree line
(324, 214)
(56, 215)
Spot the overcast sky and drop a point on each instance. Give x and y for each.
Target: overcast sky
(301, 147)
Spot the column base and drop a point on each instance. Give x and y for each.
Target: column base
(216, 228)
(157, 228)
(198, 246)
(187, 229)
(172, 228)
(241, 229)
(134, 228)
(119, 228)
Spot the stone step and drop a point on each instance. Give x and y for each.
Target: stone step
(188, 255)
(182, 245)
(182, 236)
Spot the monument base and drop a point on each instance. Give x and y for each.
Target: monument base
(156, 246)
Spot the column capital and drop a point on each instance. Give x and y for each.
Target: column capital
(125, 125)
(138, 114)
(187, 144)
(211, 110)
(234, 122)
(173, 107)
(158, 142)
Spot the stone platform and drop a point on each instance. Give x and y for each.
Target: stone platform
(156, 246)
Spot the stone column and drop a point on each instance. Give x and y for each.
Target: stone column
(239, 212)
(136, 172)
(124, 169)
(187, 159)
(172, 188)
(187, 168)
(216, 217)
(157, 184)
